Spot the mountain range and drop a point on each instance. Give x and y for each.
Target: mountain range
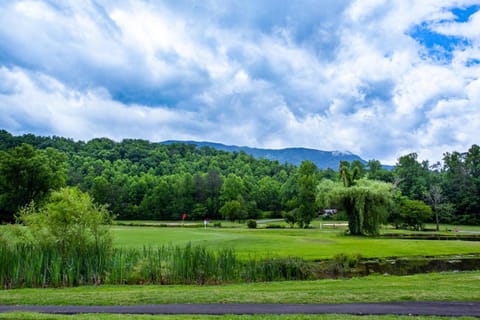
(322, 159)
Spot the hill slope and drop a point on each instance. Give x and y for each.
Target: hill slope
(323, 159)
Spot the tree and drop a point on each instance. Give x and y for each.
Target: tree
(412, 176)
(395, 217)
(70, 221)
(366, 203)
(232, 188)
(348, 176)
(213, 185)
(362, 170)
(156, 204)
(267, 195)
(289, 193)
(199, 212)
(377, 172)
(28, 175)
(415, 213)
(472, 162)
(290, 217)
(461, 185)
(231, 210)
(435, 198)
(307, 182)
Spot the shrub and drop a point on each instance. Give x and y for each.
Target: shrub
(251, 224)
(415, 213)
(70, 221)
(290, 217)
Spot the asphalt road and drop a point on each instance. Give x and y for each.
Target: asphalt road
(400, 308)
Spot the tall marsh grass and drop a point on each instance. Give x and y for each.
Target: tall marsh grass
(24, 265)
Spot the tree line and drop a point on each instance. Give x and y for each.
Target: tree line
(138, 179)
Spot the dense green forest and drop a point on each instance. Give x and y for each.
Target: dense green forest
(138, 179)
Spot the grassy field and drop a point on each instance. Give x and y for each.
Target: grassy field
(310, 244)
(193, 255)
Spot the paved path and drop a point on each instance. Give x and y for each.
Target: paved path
(401, 308)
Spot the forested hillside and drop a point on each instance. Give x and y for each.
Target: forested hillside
(138, 179)
(322, 159)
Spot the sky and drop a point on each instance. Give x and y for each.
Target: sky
(378, 78)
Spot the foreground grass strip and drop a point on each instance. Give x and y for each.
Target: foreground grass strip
(462, 286)
(38, 316)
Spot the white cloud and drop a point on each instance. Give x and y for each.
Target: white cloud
(343, 76)
(469, 29)
(84, 115)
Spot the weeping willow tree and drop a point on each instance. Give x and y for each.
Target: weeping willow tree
(366, 202)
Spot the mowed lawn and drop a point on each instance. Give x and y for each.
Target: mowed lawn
(310, 244)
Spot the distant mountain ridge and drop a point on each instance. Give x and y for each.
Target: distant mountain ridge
(322, 159)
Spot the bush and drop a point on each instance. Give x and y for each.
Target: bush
(290, 217)
(251, 224)
(415, 213)
(69, 221)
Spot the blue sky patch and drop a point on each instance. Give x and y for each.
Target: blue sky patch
(472, 62)
(463, 14)
(439, 47)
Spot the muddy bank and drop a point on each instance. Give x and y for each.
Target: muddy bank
(432, 236)
(354, 266)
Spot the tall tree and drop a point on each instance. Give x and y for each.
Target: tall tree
(28, 175)
(267, 195)
(435, 199)
(233, 188)
(413, 176)
(307, 181)
(213, 185)
(462, 184)
(366, 203)
(377, 172)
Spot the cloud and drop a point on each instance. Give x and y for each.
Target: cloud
(378, 78)
(43, 103)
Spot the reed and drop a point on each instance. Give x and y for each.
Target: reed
(26, 265)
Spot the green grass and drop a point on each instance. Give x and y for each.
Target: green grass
(37, 316)
(310, 244)
(462, 286)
